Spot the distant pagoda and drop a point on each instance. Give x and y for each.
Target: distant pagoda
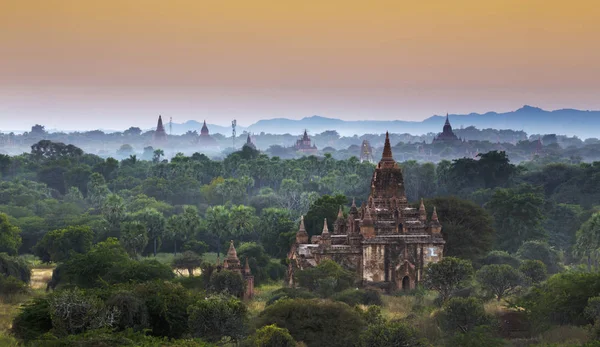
(160, 135)
(366, 153)
(205, 140)
(304, 144)
(447, 135)
(249, 143)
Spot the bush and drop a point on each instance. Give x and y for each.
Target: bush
(499, 258)
(354, 297)
(290, 293)
(315, 322)
(270, 336)
(478, 337)
(11, 286)
(534, 271)
(227, 282)
(391, 334)
(326, 278)
(447, 275)
(133, 271)
(74, 312)
(462, 315)
(500, 280)
(217, 317)
(33, 320)
(15, 267)
(167, 305)
(133, 313)
(538, 250)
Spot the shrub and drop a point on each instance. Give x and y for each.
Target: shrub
(499, 258)
(133, 271)
(391, 334)
(538, 250)
(315, 322)
(133, 313)
(447, 275)
(478, 337)
(326, 278)
(462, 315)
(15, 267)
(227, 282)
(354, 297)
(11, 286)
(500, 280)
(270, 336)
(33, 320)
(217, 317)
(290, 293)
(534, 271)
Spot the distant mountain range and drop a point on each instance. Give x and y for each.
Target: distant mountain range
(530, 119)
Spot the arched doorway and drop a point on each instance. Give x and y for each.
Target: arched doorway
(405, 283)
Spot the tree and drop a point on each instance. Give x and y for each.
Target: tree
(500, 280)
(587, 245)
(13, 266)
(274, 225)
(157, 154)
(326, 278)
(60, 245)
(324, 207)
(534, 271)
(217, 223)
(466, 227)
(537, 250)
(183, 226)
(499, 258)
(188, 261)
(97, 189)
(315, 322)
(462, 315)
(10, 240)
(134, 238)
(447, 275)
(155, 224)
(391, 334)
(517, 216)
(113, 210)
(270, 336)
(227, 282)
(217, 317)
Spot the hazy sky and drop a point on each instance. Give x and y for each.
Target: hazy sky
(84, 64)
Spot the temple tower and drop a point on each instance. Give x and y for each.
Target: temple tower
(160, 135)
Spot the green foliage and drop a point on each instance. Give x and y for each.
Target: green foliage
(33, 319)
(217, 317)
(263, 268)
(74, 312)
(324, 207)
(155, 224)
(447, 275)
(390, 334)
(138, 271)
(167, 305)
(15, 267)
(462, 315)
(500, 280)
(499, 258)
(478, 337)
(326, 278)
(466, 227)
(197, 247)
(561, 299)
(314, 322)
(537, 250)
(587, 245)
(227, 282)
(274, 224)
(270, 336)
(353, 297)
(134, 238)
(188, 261)
(517, 216)
(10, 240)
(132, 311)
(290, 293)
(534, 271)
(11, 286)
(60, 245)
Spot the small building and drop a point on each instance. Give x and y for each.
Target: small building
(232, 263)
(160, 135)
(385, 242)
(304, 145)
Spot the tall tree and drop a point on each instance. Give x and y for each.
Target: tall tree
(155, 224)
(183, 226)
(10, 238)
(587, 246)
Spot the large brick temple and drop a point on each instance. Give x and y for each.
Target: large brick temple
(386, 242)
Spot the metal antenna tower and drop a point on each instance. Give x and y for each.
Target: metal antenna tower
(170, 125)
(233, 125)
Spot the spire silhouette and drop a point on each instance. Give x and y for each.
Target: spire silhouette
(387, 149)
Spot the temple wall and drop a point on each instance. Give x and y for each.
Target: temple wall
(374, 263)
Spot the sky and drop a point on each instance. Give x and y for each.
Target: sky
(111, 64)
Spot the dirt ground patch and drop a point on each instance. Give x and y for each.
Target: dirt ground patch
(40, 277)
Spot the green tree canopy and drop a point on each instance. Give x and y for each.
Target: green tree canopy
(10, 240)
(447, 275)
(60, 245)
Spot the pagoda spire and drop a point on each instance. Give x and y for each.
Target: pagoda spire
(447, 119)
(387, 149)
(340, 213)
(301, 235)
(247, 267)
(325, 228)
(434, 216)
(232, 253)
(422, 213)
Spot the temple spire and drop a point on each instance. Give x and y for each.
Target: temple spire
(301, 235)
(325, 228)
(340, 213)
(232, 253)
(422, 213)
(434, 217)
(387, 149)
(247, 267)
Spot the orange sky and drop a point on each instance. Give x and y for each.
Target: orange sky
(125, 61)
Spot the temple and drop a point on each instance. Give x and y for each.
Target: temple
(160, 135)
(249, 143)
(304, 145)
(205, 140)
(366, 153)
(232, 263)
(447, 135)
(386, 242)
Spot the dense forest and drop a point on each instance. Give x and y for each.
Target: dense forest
(520, 268)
